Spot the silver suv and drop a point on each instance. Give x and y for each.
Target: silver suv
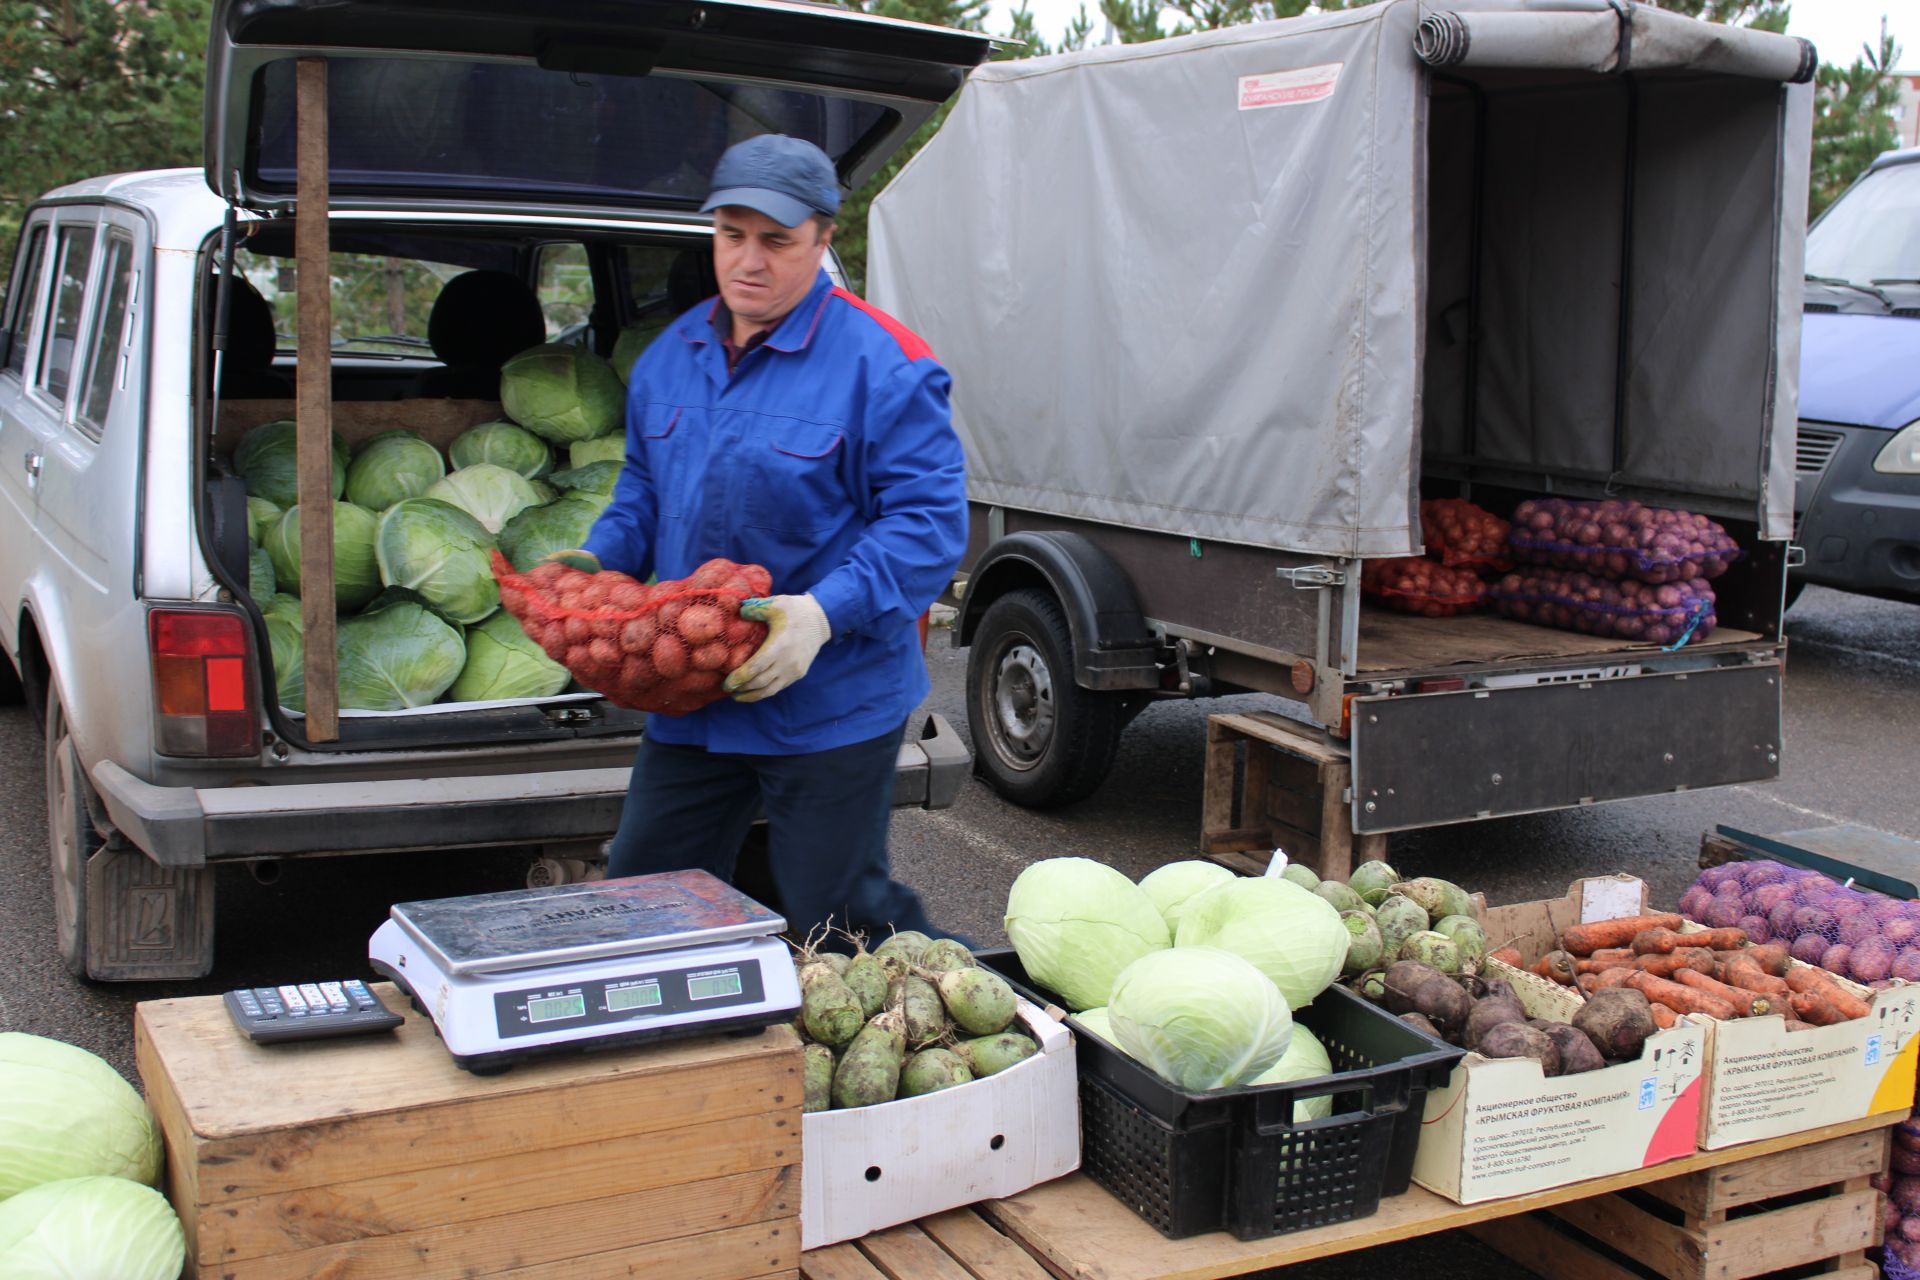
(560, 147)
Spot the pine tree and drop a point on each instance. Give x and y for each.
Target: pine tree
(95, 86)
(1853, 119)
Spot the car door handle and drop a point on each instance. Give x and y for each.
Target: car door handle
(33, 465)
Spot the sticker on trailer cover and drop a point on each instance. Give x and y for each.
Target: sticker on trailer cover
(1289, 88)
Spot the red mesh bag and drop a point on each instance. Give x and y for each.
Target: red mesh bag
(662, 648)
(1461, 535)
(1415, 584)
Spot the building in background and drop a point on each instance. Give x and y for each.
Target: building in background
(1906, 113)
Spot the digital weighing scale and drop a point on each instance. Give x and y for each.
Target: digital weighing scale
(507, 976)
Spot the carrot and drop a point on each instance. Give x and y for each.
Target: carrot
(1612, 978)
(1751, 1004)
(1508, 955)
(1679, 998)
(1748, 977)
(1818, 1008)
(1556, 965)
(1772, 958)
(1585, 939)
(1619, 955)
(1658, 942)
(1794, 1024)
(1587, 982)
(1805, 979)
(1718, 939)
(1667, 966)
(1663, 1017)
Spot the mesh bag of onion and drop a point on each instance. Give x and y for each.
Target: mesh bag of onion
(1864, 936)
(1670, 614)
(1461, 535)
(1621, 539)
(661, 648)
(1415, 584)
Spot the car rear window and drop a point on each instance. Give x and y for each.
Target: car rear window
(26, 298)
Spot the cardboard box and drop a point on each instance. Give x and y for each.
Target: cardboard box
(876, 1167)
(377, 1156)
(1501, 1127)
(1764, 1081)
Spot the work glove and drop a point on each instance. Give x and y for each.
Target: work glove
(796, 628)
(573, 558)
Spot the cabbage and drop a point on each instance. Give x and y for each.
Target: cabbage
(260, 517)
(1076, 923)
(503, 662)
(356, 571)
(287, 640)
(611, 448)
(633, 340)
(1177, 883)
(267, 459)
(93, 1228)
(390, 467)
(443, 553)
(562, 393)
(261, 583)
(1294, 937)
(65, 1113)
(1199, 1016)
(1305, 1059)
(399, 656)
(595, 477)
(558, 526)
(490, 494)
(504, 445)
(1096, 1022)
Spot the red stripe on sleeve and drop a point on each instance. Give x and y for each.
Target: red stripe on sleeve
(912, 345)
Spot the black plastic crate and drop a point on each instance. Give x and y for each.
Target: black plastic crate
(1234, 1159)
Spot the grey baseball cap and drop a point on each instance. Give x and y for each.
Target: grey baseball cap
(788, 179)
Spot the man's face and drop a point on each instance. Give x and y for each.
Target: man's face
(764, 269)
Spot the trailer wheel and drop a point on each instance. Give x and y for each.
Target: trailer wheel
(72, 840)
(1039, 739)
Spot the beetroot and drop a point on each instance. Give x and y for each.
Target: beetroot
(1872, 961)
(1808, 948)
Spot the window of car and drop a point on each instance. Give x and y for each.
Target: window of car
(381, 303)
(649, 268)
(564, 282)
(111, 335)
(74, 257)
(1872, 233)
(26, 298)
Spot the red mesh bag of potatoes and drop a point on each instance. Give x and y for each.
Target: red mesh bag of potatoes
(1415, 584)
(1461, 535)
(662, 647)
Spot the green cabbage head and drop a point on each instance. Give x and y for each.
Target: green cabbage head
(261, 583)
(504, 445)
(261, 515)
(441, 552)
(633, 340)
(64, 1113)
(504, 662)
(1076, 923)
(1201, 1017)
(1305, 1059)
(403, 655)
(611, 448)
(267, 460)
(1171, 887)
(595, 477)
(559, 526)
(490, 494)
(356, 570)
(86, 1228)
(286, 636)
(390, 467)
(562, 392)
(1294, 937)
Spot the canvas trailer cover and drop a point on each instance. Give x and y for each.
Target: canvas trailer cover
(1242, 286)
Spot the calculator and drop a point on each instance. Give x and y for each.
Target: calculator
(309, 1011)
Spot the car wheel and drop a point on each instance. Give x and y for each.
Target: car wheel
(12, 692)
(72, 839)
(1039, 739)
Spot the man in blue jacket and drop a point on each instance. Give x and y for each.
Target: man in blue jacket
(787, 423)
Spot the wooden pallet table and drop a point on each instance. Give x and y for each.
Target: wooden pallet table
(1292, 795)
(1740, 1212)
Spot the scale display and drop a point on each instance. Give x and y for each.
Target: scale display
(609, 1002)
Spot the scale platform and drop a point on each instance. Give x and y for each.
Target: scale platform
(508, 976)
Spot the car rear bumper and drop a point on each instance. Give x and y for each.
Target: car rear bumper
(188, 826)
(1861, 529)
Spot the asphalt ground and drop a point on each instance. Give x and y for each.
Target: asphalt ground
(1851, 754)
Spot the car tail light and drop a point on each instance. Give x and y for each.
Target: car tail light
(203, 683)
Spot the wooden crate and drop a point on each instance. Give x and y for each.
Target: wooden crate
(375, 1156)
(1292, 794)
(1801, 1212)
(959, 1245)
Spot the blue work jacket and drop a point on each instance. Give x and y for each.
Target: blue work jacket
(828, 456)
